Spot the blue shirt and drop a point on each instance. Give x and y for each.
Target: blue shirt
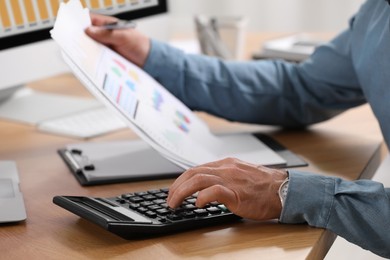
(352, 69)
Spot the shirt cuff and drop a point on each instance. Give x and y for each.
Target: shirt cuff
(309, 199)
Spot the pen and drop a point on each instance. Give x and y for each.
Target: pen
(120, 24)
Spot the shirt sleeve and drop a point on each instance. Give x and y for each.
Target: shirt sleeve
(359, 210)
(271, 92)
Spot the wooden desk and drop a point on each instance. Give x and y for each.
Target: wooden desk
(347, 146)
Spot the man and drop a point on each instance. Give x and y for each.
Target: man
(349, 71)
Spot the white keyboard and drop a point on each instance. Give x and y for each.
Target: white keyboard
(89, 123)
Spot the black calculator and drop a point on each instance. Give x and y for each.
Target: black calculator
(143, 214)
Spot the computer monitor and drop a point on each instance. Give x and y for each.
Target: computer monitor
(26, 51)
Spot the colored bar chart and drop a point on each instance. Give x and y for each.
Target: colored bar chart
(5, 18)
(20, 16)
(43, 10)
(31, 17)
(94, 4)
(17, 14)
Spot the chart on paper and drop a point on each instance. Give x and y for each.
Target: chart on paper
(20, 16)
(125, 87)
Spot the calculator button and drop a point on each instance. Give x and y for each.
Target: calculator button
(223, 208)
(214, 210)
(174, 217)
(159, 201)
(154, 207)
(201, 212)
(161, 195)
(190, 206)
(154, 191)
(134, 205)
(142, 209)
(164, 205)
(163, 211)
(179, 210)
(151, 214)
(146, 203)
(188, 214)
(136, 199)
(127, 195)
(143, 193)
(149, 197)
(191, 200)
(162, 220)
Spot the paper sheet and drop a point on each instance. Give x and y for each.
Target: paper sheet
(150, 110)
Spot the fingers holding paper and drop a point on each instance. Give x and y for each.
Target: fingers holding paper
(129, 43)
(247, 190)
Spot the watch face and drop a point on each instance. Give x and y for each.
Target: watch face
(283, 190)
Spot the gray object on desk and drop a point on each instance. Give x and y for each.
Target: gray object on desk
(295, 48)
(11, 199)
(209, 38)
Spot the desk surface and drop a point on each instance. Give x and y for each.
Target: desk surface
(343, 146)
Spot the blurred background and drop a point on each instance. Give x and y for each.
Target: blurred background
(268, 15)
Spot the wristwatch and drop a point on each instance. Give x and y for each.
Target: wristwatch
(283, 189)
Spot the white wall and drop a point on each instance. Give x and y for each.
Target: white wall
(269, 15)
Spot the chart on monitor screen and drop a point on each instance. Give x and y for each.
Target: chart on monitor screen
(16, 18)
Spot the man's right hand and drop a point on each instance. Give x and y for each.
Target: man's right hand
(129, 43)
(248, 190)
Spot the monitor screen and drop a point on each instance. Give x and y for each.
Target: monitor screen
(27, 52)
(28, 21)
